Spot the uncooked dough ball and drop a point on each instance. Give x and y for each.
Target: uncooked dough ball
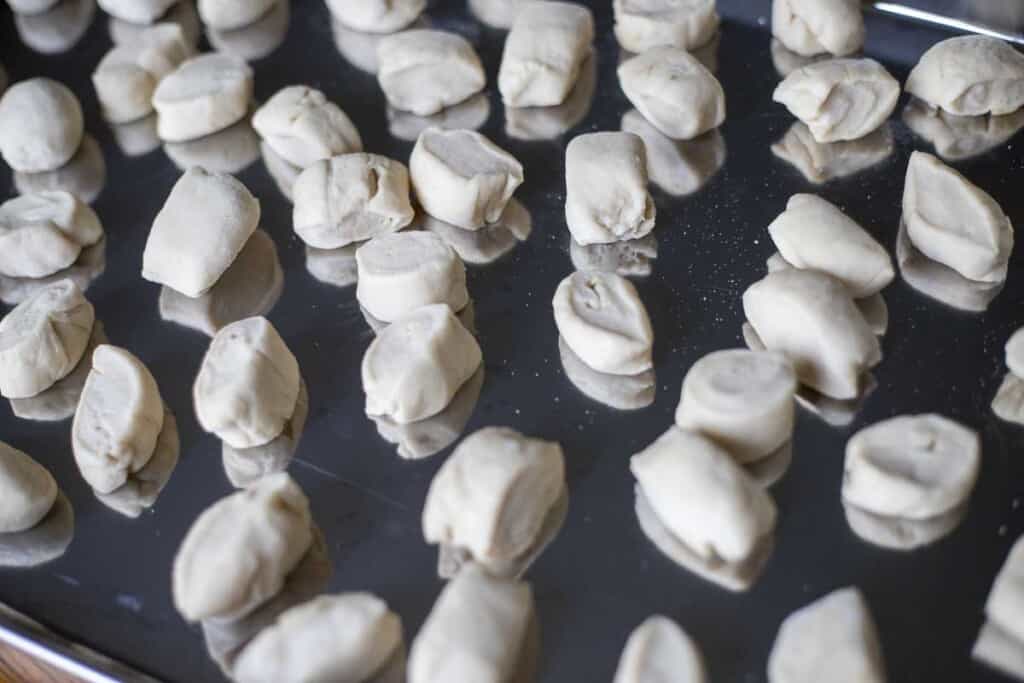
(41, 125)
(303, 126)
(205, 222)
(643, 24)
(815, 235)
(119, 417)
(203, 95)
(811, 319)
(43, 338)
(674, 91)
(400, 272)
(136, 11)
(27, 490)
(832, 639)
(970, 76)
(238, 552)
(954, 222)
(424, 71)
(248, 384)
(840, 99)
(350, 198)
(42, 233)
(376, 16)
(822, 162)
(602, 319)
(413, 368)
(812, 27)
(226, 15)
(1003, 607)
(462, 177)
(658, 651)
(544, 51)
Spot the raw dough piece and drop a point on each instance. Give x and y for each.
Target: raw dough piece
(658, 651)
(43, 233)
(462, 177)
(1004, 605)
(476, 631)
(812, 27)
(41, 125)
(810, 318)
(467, 316)
(678, 167)
(231, 150)
(414, 367)
(238, 552)
(203, 95)
(643, 24)
(622, 392)
(43, 338)
(1008, 403)
(814, 234)
(303, 126)
(182, 13)
(350, 198)
(742, 400)
(84, 176)
(205, 222)
(335, 267)
(142, 488)
(999, 650)
(469, 114)
(547, 123)
(424, 71)
(256, 40)
(44, 542)
(603, 321)
(248, 384)
(283, 173)
(629, 258)
(606, 197)
(246, 467)
(232, 14)
(90, 265)
(820, 163)
(136, 11)
(954, 222)
(840, 99)
(27, 490)
(376, 16)
(544, 51)
(960, 137)
(137, 138)
(674, 91)
(30, 7)
(1015, 353)
(970, 76)
(489, 243)
(832, 639)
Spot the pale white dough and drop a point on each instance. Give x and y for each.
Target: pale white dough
(1015, 353)
(643, 24)
(960, 137)
(674, 91)
(1008, 403)
(622, 392)
(786, 61)
(90, 265)
(27, 490)
(1005, 605)
(43, 338)
(43, 233)
(415, 366)
(628, 258)
(41, 125)
(832, 639)
(136, 11)
(822, 162)
(350, 198)
(232, 14)
(462, 177)
(970, 76)
(840, 99)
(679, 167)
(424, 71)
(812, 27)
(142, 488)
(119, 417)
(544, 51)
(137, 138)
(602, 319)
(203, 95)
(658, 651)
(205, 222)
(303, 126)
(247, 385)
(84, 176)
(376, 16)
(999, 650)
(606, 197)
(238, 552)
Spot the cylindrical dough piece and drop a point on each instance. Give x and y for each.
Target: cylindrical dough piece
(970, 76)
(674, 91)
(238, 552)
(911, 466)
(232, 14)
(376, 16)
(247, 385)
(203, 95)
(424, 71)
(42, 233)
(602, 319)
(743, 400)
(400, 272)
(136, 11)
(643, 24)
(462, 177)
(43, 339)
(1005, 600)
(658, 651)
(1015, 353)
(41, 125)
(812, 27)
(118, 419)
(303, 126)
(27, 490)
(416, 364)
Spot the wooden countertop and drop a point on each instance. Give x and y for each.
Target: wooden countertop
(18, 667)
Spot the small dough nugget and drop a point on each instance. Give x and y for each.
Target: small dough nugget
(136, 11)
(840, 99)
(1005, 605)
(606, 197)
(814, 27)
(248, 384)
(463, 178)
(424, 71)
(674, 91)
(27, 490)
(203, 95)
(376, 16)
(43, 339)
(45, 232)
(643, 24)
(41, 125)
(544, 51)
(658, 651)
(970, 76)
(303, 126)
(226, 15)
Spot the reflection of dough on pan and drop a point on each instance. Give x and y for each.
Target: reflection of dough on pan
(623, 392)
(245, 467)
(44, 542)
